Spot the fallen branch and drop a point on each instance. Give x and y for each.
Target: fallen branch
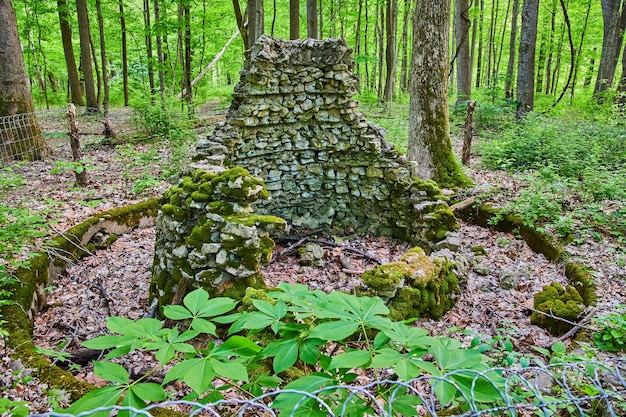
(288, 249)
(211, 65)
(572, 332)
(332, 245)
(464, 204)
(580, 324)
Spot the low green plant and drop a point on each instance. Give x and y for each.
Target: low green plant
(77, 167)
(286, 336)
(14, 408)
(611, 334)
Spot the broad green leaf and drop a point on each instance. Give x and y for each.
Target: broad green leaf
(334, 330)
(131, 400)
(217, 307)
(148, 391)
(353, 359)
(310, 383)
(120, 351)
(380, 340)
(165, 353)
(484, 389)
(203, 326)
(385, 358)
(148, 326)
(196, 373)
(121, 325)
(106, 342)
(100, 397)
(405, 405)
(232, 370)
(238, 345)
(177, 312)
(406, 369)
(309, 350)
(252, 320)
(451, 359)
(407, 336)
(196, 300)
(284, 352)
(110, 371)
(444, 391)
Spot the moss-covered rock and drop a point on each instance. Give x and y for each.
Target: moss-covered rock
(415, 286)
(554, 300)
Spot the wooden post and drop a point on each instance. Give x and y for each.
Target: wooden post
(468, 133)
(79, 170)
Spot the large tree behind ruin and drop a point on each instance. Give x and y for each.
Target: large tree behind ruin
(429, 126)
(25, 141)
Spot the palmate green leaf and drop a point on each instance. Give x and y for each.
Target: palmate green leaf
(407, 336)
(203, 326)
(253, 320)
(131, 399)
(100, 397)
(483, 389)
(107, 342)
(385, 358)
(196, 300)
(111, 372)
(197, 373)
(405, 405)
(217, 307)
(353, 359)
(148, 391)
(238, 345)
(310, 383)
(451, 359)
(284, 352)
(334, 330)
(177, 312)
(406, 369)
(309, 350)
(140, 328)
(232, 370)
(445, 391)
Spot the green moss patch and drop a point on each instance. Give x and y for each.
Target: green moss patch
(557, 302)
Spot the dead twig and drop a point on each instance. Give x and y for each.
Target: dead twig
(332, 245)
(108, 301)
(464, 204)
(572, 332)
(580, 324)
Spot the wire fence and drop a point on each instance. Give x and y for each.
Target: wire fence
(588, 388)
(20, 138)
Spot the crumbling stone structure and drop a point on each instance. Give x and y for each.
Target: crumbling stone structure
(293, 122)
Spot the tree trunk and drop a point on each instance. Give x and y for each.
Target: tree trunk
(380, 32)
(508, 88)
(256, 21)
(124, 53)
(159, 41)
(526, 63)
(241, 24)
(311, 19)
(463, 63)
(610, 48)
(429, 136)
(148, 42)
(85, 54)
(68, 52)
(294, 19)
(404, 64)
(103, 57)
(357, 44)
(26, 142)
(479, 59)
(390, 54)
(187, 60)
(579, 51)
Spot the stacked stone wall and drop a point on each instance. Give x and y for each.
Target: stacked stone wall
(294, 123)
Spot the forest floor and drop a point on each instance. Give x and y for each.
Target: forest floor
(496, 299)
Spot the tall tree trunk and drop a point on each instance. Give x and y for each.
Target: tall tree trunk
(591, 69)
(368, 85)
(357, 43)
(85, 54)
(479, 59)
(404, 40)
(186, 30)
(294, 19)
(429, 135)
(103, 57)
(610, 47)
(502, 40)
(550, 51)
(491, 43)
(256, 21)
(159, 40)
(241, 24)
(148, 42)
(311, 19)
(96, 69)
(380, 32)
(124, 52)
(391, 57)
(26, 142)
(579, 51)
(510, 69)
(526, 63)
(464, 65)
(68, 52)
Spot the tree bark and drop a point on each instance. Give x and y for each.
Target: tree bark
(404, 40)
(159, 42)
(390, 53)
(479, 58)
(148, 43)
(464, 65)
(311, 19)
(294, 19)
(80, 173)
(68, 51)
(510, 70)
(429, 136)
(124, 52)
(26, 142)
(85, 54)
(103, 57)
(241, 24)
(610, 47)
(256, 21)
(526, 63)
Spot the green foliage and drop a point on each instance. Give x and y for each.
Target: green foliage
(298, 327)
(14, 408)
(72, 166)
(611, 335)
